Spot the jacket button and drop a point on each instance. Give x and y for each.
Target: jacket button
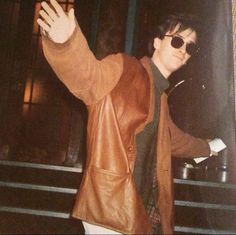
(131, 149)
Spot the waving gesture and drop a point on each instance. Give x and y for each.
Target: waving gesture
(55, 22)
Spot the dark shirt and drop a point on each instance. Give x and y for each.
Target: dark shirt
(145, 165)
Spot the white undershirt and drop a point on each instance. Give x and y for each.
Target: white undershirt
(94, 229)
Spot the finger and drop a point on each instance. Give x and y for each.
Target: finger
(49, 10)
(57, 7)
(71, 14)
(43, 25)
(46, 17)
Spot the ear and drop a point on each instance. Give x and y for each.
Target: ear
(157, 43)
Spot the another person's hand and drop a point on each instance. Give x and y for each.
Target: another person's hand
(56, 23)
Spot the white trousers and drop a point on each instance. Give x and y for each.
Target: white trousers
(94, 229)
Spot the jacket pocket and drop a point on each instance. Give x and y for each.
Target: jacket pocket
(111, 200)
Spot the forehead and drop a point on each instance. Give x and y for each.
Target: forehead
(188, 34)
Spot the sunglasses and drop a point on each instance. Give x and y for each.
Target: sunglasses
(178, 42)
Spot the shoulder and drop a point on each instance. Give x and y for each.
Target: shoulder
(133, 69)
(134, 80)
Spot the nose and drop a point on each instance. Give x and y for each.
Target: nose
(183, 48)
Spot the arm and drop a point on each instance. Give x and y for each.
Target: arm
(185, 145)
(68, 53)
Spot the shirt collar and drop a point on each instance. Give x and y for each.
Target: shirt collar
(161, 83)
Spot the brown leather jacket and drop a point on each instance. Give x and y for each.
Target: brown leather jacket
(119, 95)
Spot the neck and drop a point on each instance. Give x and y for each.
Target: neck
(162, 69)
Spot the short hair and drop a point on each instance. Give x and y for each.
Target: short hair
(169, 22)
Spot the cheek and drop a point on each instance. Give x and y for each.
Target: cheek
(165, 47)
(167, 52)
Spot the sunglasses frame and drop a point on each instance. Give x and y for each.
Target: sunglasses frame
(188, 50)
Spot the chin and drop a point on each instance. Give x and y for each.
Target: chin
(175, 68)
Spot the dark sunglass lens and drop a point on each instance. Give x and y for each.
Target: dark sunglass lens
(177, 42)
(192, 48)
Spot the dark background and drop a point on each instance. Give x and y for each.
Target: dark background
(42, 123)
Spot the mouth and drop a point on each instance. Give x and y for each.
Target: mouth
(178, 57)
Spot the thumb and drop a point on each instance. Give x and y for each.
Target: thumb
(71, 14)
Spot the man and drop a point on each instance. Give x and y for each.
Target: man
(127, 184)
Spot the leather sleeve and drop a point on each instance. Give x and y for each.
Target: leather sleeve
(185, 145)
(75, 65)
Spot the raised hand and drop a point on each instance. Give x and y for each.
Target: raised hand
(55, 22)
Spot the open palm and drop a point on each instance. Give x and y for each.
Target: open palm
(55, 22)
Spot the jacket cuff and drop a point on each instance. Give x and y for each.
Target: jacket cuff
(208, 149)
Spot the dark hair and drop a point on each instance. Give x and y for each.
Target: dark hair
(169, 22)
